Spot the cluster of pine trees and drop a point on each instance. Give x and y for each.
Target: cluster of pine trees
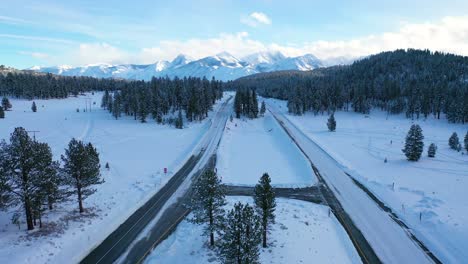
(161, 96)
(23, 84)
(243, 228)
(246, 103)
(418, 83)
(30, 179)
(414, 144)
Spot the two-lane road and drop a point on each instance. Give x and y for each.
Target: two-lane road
(390, 241)
(122, 240)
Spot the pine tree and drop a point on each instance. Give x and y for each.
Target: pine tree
(25, 167)
(82, 170)
(34, 107)
(6, 104)
(207, 203)
(254, 106)
(414, 144)
(237, 104)
(454, 141)
(2, 113)
(46, 170)
(241, 236)
(116, 106)
(331, 123)
(431, 152)
(105, 99)
(179, 123)
(265, 204)
(466, 141)
(263, 109)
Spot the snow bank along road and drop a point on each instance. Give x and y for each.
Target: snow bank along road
(121, 239)
(389, 241)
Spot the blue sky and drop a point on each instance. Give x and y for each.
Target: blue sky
(72, 32)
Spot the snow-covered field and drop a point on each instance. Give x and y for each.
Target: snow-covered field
(136, 152)
(303, 233)
(251, 147)
(433, 188)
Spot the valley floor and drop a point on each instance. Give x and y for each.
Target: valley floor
(137, 154)
(251, 147)
(428, 195)
(303, 233)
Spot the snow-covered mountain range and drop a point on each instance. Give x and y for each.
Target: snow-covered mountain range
(222, 66)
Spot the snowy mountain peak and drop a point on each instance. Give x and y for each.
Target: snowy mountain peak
(267, 57)
(222, 66)
(226, 57)
(180, 60)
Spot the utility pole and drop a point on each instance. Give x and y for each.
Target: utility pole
(34, 133)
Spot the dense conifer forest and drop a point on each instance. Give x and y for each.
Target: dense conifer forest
(30, 85)
(163, 96)
(418, 83)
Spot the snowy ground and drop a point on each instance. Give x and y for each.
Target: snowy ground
(251, 147)
(303, 233)
(136, 152)
(434, 188)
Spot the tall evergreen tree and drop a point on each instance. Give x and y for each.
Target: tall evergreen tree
(241, 236)
(265, 204)
(6, 104)
(431, 152)
(34, 107)
(25, 166)
(263, 109)
(207, 203)
(331, 123)
(237, 105)
(116, 106)
(466, 141)
(2, 113)
(105, 99)
(82, 169)
(179, 123)
(46, 171)
(454, 141)
(254, 104)
(414, 144)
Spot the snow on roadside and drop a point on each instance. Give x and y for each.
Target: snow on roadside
(430, 188)
(136, 152)
(303, 233)
(251, 147)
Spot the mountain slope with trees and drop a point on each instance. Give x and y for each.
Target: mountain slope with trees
(418, 83)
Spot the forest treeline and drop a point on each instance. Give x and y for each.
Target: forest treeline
(163, 96)
(418, 83)
(30, 85)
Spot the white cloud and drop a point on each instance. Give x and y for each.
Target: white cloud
(238, 44)
(255, 19)
(11, 20)
(36, 55)
(89, 53)
(36, 38)
(450, 34)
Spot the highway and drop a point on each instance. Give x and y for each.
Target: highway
(161, 214)
(390, 242)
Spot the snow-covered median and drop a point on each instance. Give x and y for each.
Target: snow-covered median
(429, 195)
(137, 154)
(303, 233)
(251, 147)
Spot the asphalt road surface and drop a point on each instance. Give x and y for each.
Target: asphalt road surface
(119, 244)
(375, 234)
